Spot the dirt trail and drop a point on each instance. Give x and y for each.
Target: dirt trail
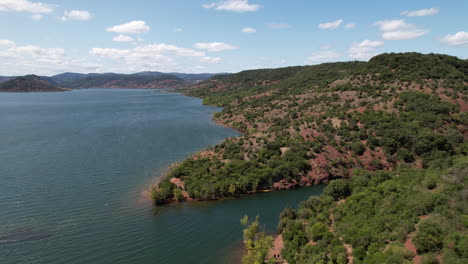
(332, 228)
(275, 251)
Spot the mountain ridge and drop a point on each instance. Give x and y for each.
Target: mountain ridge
(144, 80)
(29, 83)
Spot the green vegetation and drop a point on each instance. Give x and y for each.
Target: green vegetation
(112, 80)
(311, 124)
(376, 212)
(256, 243)
(388, 135)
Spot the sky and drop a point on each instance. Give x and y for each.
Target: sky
(49, 37)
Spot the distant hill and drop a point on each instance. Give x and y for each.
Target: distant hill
(29, 83)
(189, 77)
(144, 80)
(127, 81)
(4, 78)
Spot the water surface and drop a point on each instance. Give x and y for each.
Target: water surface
(74, 167)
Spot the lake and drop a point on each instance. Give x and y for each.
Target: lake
(74, 168)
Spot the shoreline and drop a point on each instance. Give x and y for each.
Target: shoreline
(288, 186)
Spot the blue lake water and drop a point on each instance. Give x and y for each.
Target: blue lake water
(74, 168)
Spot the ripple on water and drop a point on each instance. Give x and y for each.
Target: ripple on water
(74, 166)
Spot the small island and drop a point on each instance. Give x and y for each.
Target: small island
(29, 83)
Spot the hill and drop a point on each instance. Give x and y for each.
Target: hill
(144, 80)
(393, 129)
(29, 83)
(112, 80)
(188, 77)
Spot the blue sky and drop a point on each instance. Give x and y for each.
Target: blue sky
(51, 36)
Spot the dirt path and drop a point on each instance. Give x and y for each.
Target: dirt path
(332, 228)
(275, 251)
(409, 245)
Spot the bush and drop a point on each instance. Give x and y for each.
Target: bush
(358, 147)
(428, 237)
(338, 189)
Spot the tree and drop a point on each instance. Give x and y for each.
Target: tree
(338, 189)
(256, 243)
(428, 237)
(358, 147)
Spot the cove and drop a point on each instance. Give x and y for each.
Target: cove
(74, 167)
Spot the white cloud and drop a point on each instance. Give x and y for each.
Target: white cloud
(350, 26)
(110, 52)
(331, 25)
(36, 51)
(211, 59)
(178, 29)
(421, 12)
(248, 30)
(153, 56)
(404, 34)
(27, 59)
(76, 15)
(323, 56)
(25, 6)
(133, 27)
(459, 38)
(123, 38)
(214, 46)
(392, 25)
(6, 43)
(364, 50)
(233, 6)
(161, 47)
(37, 17)
(399, 30)
(279, 25)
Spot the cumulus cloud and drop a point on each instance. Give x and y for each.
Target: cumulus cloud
(36, 51)
(331, 25)
(364, 50)
(233, 6)
(76, 15)
(279, 25)
(39, 60)
(248, 30)
(214, 46)
(110, 52)
(323, 56)
(421, 12)
(133, 27)
(123, 38)
(399, 30)
(25, 6)
(392, 25)
(404, 34)
(158, 55)
(6, 43)
(457, 39)
(211, 59)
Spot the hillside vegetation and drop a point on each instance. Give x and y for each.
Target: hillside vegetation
(388, 130)
(127, 81)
